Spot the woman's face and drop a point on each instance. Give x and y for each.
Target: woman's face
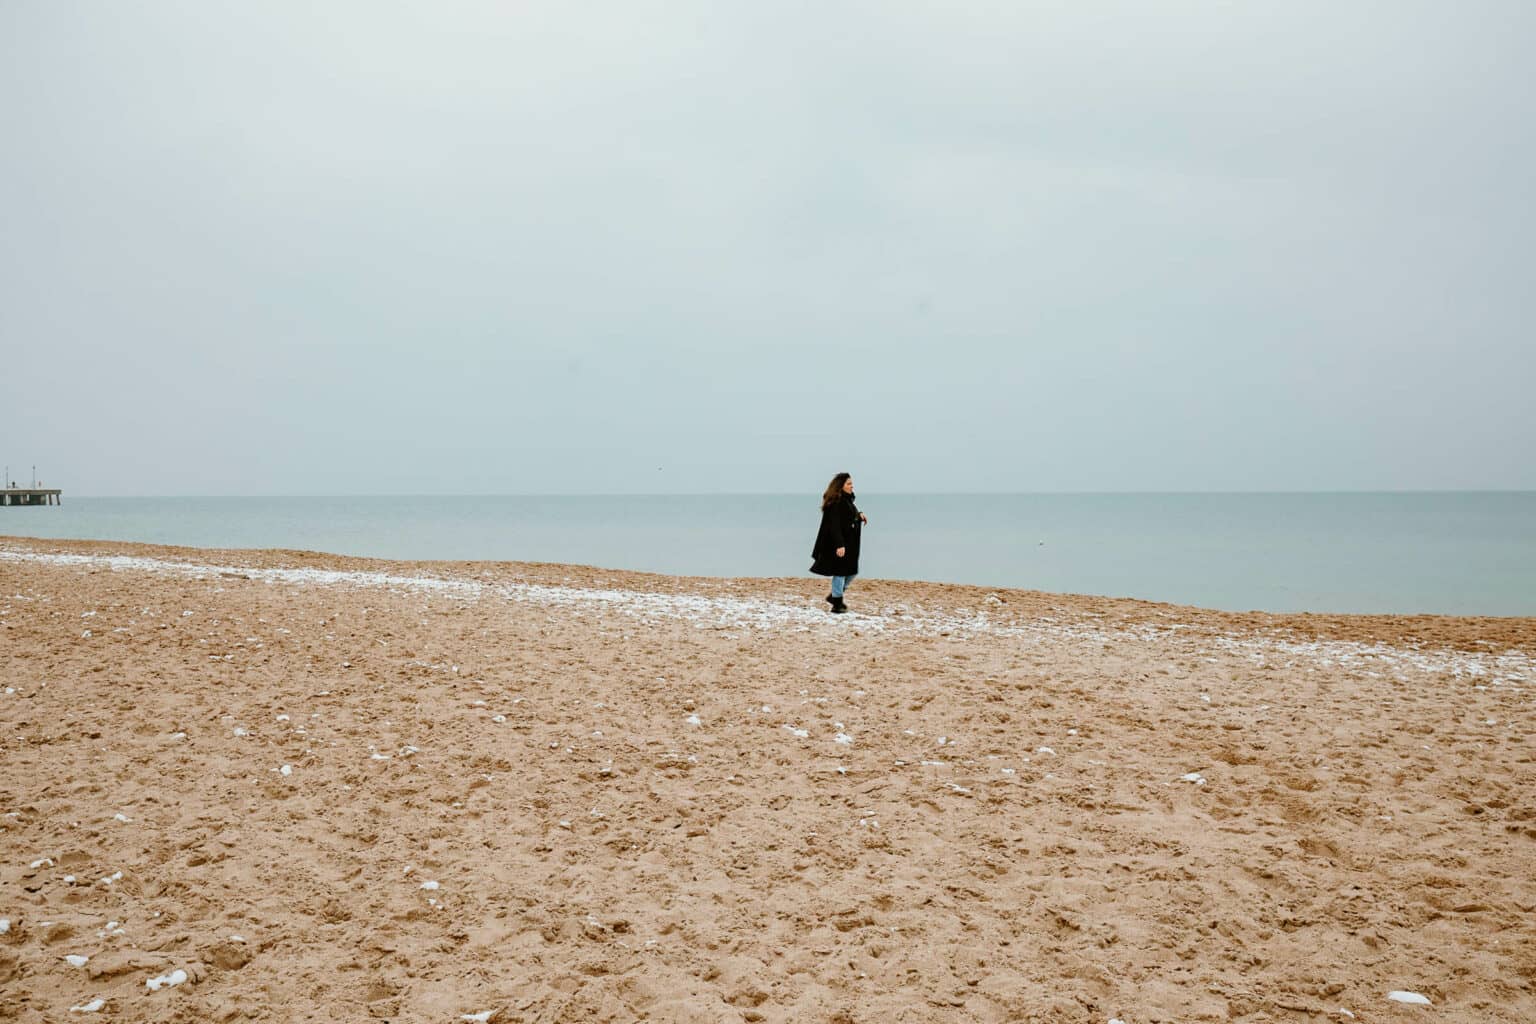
(848, 486)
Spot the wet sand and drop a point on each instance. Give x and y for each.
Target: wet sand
(337, 789)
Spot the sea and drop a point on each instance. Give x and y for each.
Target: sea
(1454, 553)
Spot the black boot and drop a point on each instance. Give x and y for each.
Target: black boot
(838, 607)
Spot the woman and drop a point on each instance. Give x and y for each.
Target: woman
(836, 552)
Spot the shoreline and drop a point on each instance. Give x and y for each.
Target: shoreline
(1470, 554)
(881, 602)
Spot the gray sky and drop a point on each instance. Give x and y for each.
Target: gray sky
(364, 247)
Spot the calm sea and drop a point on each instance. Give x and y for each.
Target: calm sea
(1465, 553)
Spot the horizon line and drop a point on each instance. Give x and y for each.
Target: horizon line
(780, 494)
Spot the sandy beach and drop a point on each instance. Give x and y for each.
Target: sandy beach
(285, 786)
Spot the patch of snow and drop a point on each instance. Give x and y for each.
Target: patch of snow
(171, 980)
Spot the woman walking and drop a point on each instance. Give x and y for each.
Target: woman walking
(836, 553)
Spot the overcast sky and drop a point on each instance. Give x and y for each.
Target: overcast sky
(366, 247)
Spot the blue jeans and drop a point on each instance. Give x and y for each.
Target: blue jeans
(839, 584)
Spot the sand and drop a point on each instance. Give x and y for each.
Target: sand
(288, 786)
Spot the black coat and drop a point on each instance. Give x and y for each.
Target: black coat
(839, 529)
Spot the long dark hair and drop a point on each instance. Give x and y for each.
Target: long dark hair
(834, 490)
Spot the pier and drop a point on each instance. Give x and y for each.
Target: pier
(31, 496)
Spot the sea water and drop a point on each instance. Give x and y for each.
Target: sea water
(1461, 553)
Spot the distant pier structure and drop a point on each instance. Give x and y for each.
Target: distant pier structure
(31, 496)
